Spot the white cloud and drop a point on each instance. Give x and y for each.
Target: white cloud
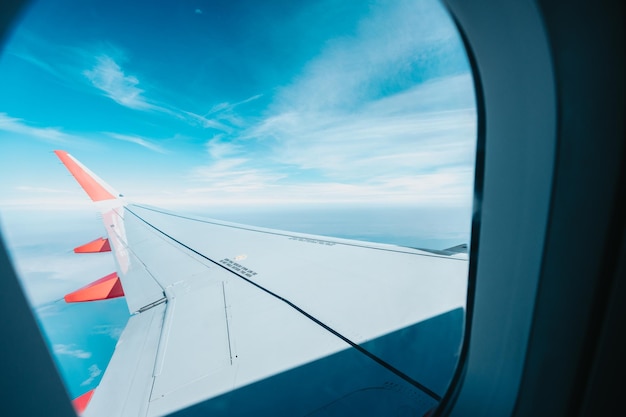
(49, 202)
(102, 66)
(370, 142)
(19, 126)
(139, 141)
(220, 117)
(108, 76)
(359, 124)
(46, 310)
(114, 332)
(218, 148)
(388, 53)
(61, 349)
(440, 188)
(226, 106)
(385, 151)
(49, 270)
(196, 119)
(39, 190)
(28, 57)
(233, 176)
(94, 372)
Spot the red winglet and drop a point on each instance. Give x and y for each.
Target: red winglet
(95, 246)
(102, 289)
(80, 403)
(93, 188)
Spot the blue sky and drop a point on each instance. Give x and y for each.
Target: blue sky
(232, 103)
(244, 110)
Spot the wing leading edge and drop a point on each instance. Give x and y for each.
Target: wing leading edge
(229, 318)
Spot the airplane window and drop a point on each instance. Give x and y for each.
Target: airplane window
(307, 167)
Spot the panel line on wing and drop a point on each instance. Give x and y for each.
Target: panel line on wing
(278, 233)
(230, 350)
(165, 332)
(356, 346)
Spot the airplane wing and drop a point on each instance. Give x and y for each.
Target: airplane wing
(229, 319)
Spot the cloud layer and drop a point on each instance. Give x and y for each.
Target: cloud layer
(385, 112)
(61, 349)
(107, 76)
(94, 372)
(20, 127)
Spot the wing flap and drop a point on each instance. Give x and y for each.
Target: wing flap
(126, 385)
(255, 338)
(196, 341)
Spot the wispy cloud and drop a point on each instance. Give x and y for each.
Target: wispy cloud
(203, 121)
(70, 350)
(114, 332)
(56, 135)
(384, 136)
(34, 49)
(226, 106)
(103, 69)
(94, 372)
(396, 47)
(139, 141)
(50, 275)
(38, 62)
(386, 150)
(441, 188)
(221, 116)
(233, 175)
(376, 115)
(107, 75)
(20, 127)
(39, 190)
(97, 66)
(218, 148)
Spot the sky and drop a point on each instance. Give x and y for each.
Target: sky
(358, 116)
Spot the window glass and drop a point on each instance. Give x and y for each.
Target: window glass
(342, 119)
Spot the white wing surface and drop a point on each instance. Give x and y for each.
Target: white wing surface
(229, 319)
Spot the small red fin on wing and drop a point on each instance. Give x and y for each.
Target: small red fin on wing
(86, 179)
(102, 289)
(95, 246)
(80, 403)
(430, 412)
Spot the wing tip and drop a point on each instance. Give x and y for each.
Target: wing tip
(93, 186)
